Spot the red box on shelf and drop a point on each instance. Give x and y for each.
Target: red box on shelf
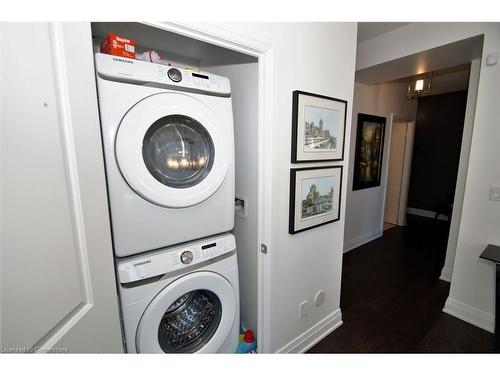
(118, 46)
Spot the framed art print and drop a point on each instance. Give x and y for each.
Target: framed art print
(318, 128)
(314, 197)
(369, 151)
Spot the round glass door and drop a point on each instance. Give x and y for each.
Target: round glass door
(178, 151)
(190, 322)
(174, 150)
(194, 313)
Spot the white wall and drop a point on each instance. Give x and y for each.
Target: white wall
(458, 199)
(244, 82)
(2, 85)
(472, 286)
(320, 58)
(364, 217)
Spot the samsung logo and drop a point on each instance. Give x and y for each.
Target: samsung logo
(142, 263)
(122, 60)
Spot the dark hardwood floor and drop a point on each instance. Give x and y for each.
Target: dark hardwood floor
(392, 298)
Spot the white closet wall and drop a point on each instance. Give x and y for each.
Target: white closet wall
(244, 79)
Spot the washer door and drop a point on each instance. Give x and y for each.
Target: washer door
(170, 150)
(193, 314)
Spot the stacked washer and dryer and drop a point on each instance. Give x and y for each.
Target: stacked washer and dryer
(169, 155)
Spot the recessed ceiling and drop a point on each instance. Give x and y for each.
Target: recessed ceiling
(370, 30)
(449, 55)
(455, 78)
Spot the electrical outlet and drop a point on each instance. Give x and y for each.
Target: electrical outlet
(302, 309)
(319, 298)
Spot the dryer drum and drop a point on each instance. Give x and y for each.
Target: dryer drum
(190, 322)
(178, 151)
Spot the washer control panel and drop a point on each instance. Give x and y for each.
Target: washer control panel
(170, 259)
(126, 70)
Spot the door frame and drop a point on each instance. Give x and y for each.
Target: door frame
(405, 177)
(264, 53)
(406, 168)
(385, 170)
(463, 165)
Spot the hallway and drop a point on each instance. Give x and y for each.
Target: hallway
(392, 297)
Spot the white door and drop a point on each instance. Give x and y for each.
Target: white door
(405, 178)
(193, 314)
(172, 151)
(58, 290)
(395, 172)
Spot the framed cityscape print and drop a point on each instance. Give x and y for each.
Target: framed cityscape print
(314, 197)
(369, 150)
(318, 128)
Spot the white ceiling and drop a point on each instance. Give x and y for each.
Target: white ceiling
(449, 55)
(370, 30)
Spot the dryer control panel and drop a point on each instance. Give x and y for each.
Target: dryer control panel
(170, 259)
(139, 72)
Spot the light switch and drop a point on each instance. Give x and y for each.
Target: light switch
(491, 59)
(495, 193)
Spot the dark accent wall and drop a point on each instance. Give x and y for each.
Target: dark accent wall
(438, 138)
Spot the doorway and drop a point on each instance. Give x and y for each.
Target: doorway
(426, 164)
(248, 64)
(382, 90)
(426, 228)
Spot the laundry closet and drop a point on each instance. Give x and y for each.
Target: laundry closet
(159, 236)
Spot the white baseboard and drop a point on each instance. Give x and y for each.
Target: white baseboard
(361, 240)
(426, 213)
(314, 334)
(470, 314)
(446, 274)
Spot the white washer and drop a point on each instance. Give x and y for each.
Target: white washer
(169, 150)
(181, 299)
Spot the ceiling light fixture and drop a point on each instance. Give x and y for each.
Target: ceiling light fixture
(420, 85)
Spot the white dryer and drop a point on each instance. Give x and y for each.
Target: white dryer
(181, 299)
(169, 151)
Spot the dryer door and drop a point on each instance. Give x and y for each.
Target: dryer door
(194, 314)
(171, 150)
